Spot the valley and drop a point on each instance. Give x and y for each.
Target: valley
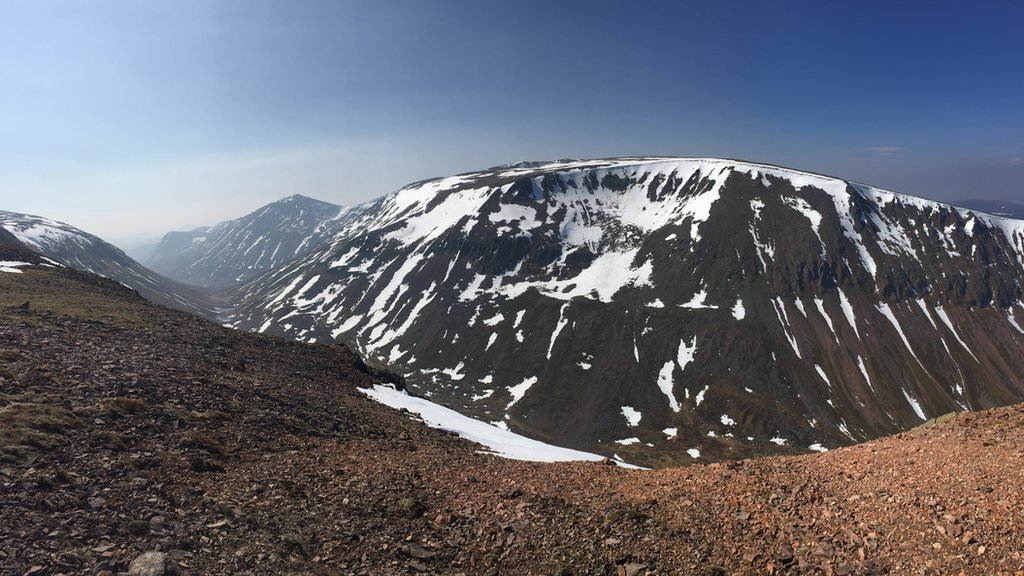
(658, 311)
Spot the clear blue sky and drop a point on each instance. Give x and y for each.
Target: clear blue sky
(132, 117)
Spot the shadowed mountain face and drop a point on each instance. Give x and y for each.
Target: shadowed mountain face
(69, 246)
(237, 250)
(668, 309)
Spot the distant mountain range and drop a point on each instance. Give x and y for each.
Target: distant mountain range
(69, 246)
(996, 207)
(237, 250)
(668, 309)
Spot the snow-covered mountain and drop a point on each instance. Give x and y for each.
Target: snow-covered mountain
(12, 249)
(74, 248)
(668, 309)
(237, 250)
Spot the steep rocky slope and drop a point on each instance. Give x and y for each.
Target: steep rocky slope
(237, 250)
(72, 247)
(669, 309)
(127, 428)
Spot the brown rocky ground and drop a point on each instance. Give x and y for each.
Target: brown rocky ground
(127, 428)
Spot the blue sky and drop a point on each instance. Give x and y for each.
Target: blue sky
(128, 117)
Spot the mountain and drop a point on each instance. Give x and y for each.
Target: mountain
(139, 248)
(13, 250)
(668, 309)
(237, 250)
(132, 435)
(996, 207)
(72, 247)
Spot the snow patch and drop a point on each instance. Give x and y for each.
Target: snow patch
(562, 321)
(800, 306)
(945, 320)
(665, 384)
(519, 390)
(738, 312)
(848, 312)
(698, 301)
(456, 373)
(519, 319)
(821, 372)
(700, 395)
(887, 312)
(864, 371)
(820, 305)
(686, 353)
(780, 312)
(606, 275)
(11, 266)
(914, 404)
(632, 415)
(1013, 320)
(494, 320)
(495, 437)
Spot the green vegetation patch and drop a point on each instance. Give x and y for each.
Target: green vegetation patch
(29, 426)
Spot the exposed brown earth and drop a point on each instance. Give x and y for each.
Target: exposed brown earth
(127, 428)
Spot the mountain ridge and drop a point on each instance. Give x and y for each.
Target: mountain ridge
(996, 207)
(235, 250)
(80, 250)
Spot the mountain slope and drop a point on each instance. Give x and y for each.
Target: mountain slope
(13, 249)
(82, 251)
(237, 250)
(669, 309)
(130, 429)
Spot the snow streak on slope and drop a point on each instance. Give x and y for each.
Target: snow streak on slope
(501, 442)
(11, 266)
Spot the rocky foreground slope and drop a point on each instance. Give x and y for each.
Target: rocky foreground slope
(127, 428)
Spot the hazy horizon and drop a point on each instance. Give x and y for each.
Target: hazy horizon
(133, 119)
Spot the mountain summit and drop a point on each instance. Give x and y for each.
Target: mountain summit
(669, 309)
(240, 249)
